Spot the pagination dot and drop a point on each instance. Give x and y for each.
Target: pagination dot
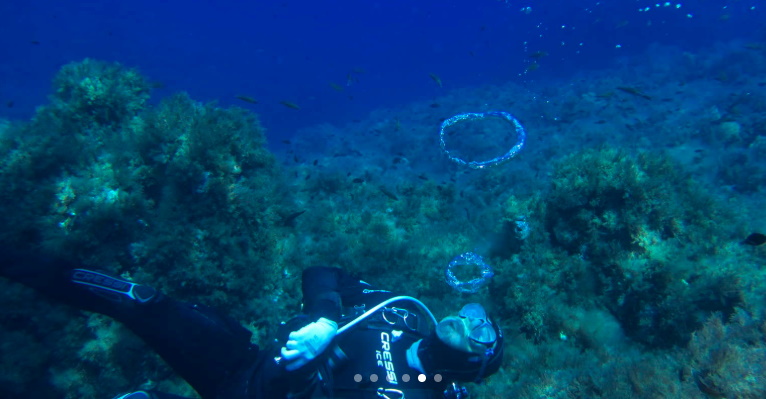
(358, 378)
(422, 377)
(406, 377)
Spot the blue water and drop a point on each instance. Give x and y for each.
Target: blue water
(337, 60)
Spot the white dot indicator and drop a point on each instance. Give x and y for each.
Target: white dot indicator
(374, 377)
(438, 377)
(406, 377)
(422, 377)
(358, 377)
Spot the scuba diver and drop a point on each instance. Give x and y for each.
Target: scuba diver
(351, 340)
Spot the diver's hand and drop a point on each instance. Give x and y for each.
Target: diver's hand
(307, 343)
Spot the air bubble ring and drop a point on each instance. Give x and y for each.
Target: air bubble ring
(470, 286)
(521, 137)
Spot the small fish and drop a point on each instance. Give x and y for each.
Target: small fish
(538, 54)
(706, 386)
(388, 193)
(422, 177)
(358, 180)
(289, 219)
(336, 86)
(634, 91)
(157, 85)
(286, 141)
(436, 79)
(754, 46)
(289, 104)
(532, 67)
(434, 105)
(247, 99)
(755, 239)
(351, 78)
(397, 125)
(35, 42)
(316, 161)
(10, 104)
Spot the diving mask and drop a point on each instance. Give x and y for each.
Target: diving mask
(482, 330)
(470, 331)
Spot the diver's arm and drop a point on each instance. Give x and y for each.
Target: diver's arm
(321, 292)
(310, 335)
(326, 289)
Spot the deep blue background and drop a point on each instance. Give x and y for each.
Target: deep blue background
(293, 50)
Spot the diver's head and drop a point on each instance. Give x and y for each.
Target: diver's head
(466, 347)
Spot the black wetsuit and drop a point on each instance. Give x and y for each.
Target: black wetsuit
(213, 353)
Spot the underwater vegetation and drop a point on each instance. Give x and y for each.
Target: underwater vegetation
(646, 228)
(626, 259)
(183, 196)
(99, 177)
